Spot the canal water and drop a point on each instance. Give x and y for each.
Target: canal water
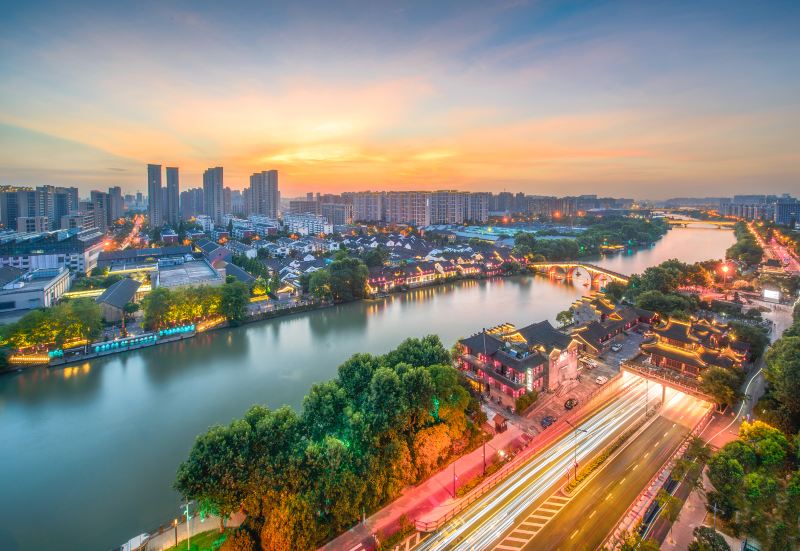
(88, 453)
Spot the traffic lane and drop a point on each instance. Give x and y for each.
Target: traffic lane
(537, 475)
(590, 516)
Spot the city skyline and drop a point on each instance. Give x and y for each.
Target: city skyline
(674, 100)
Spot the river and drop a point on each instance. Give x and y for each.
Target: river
(88, 453)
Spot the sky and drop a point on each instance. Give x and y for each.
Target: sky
(636, 99)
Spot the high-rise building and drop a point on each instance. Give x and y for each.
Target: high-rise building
(192, 203)
(154, 203)
(368, 206)
(448, 207)
(227, 201)
(172, 212)
(478, 207)
(338, 214)
(304, 206)
(213, 194)
(116, 203)
(237, 202)
(100, 207)
(265, 196)
(408, 207)
(787, 211)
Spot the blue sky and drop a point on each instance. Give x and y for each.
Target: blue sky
(643, 99)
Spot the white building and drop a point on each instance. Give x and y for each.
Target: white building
(40, 288)
(307, 224)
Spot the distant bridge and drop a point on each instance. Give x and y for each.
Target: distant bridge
(701, 223)
(567, 269)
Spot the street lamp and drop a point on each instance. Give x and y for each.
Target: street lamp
(575, 451)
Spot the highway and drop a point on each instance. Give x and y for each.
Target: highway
(494, 514)
(584, 521)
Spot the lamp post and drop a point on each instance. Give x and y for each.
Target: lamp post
(575, 431)
(175, 525)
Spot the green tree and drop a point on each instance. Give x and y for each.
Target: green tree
(754, 336)
(721, 383)
(670, 507)
(706, 539)
(319, 284)
(564, 317)
(348, 279)
(234, 300)
(615, 290)
(156, 306)
(783, 374)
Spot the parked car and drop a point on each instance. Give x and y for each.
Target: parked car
(548, 420)
(571, 403)
(601, 380)
(616, 347)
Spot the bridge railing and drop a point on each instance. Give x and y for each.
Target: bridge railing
(675, 380)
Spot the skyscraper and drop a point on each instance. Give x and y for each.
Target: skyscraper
(264, 194)
(116, 204)
(213, 195)
(154, 195)
(173, 196)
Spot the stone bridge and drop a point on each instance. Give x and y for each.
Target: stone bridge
(567, 269)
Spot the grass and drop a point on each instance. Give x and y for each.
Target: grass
(203, 541)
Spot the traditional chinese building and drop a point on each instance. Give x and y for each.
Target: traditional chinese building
(515, 361)
(690, 347)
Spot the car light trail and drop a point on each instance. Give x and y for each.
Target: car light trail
(491, 516)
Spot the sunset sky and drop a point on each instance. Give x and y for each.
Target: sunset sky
(641, 99)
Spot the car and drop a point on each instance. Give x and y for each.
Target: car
(571, 403)
(616, 347)
(548, 420)
(601, 380)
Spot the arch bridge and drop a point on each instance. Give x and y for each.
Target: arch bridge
(713, 224)
(567, 269)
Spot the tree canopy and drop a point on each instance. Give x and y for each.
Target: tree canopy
(383, 423)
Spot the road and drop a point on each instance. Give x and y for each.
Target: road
(491, 516)
(583, 521)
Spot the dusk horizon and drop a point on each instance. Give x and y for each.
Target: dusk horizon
(540, 98)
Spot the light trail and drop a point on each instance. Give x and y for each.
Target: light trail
(484, 522)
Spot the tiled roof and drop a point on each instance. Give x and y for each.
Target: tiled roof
(120, 293)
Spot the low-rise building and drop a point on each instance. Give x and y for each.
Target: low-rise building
(41, 288)
(514, 361)
(691, 347)
(74, 249)
(113, 300)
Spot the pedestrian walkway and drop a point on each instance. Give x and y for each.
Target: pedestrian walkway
(533, 524)
(432, 498)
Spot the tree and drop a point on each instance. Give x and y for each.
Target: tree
(707, 539)
(753, 336)
(319, 284)
(564, 317)
(234, 300)
(88, 316)
(260, 287)
(216, 473)
(721, 383)
(670, 507)
(156, 305)
(633, 541)
(783, 374)
(348, 279)
(430, 447)
(615, 290)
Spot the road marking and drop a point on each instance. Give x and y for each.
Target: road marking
(560, 497)
(635, 467)
(648, 453)
(547, 510)
(528, 532)
(623, 480)
(593, 513)
(507, 547)
(575, 533)
(673, 426)
(608, 496)
(666, 433)
(542, 517)
(359, 546)
(521, 540)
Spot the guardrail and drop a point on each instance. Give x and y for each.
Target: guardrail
(637, 508)
(679, 382)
